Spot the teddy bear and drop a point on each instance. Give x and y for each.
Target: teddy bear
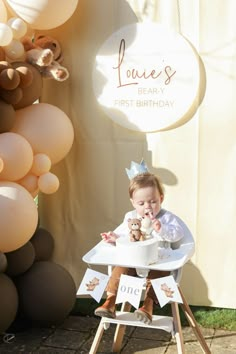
(91, 285)
(167, 290)
(135, 232)
(44, 52)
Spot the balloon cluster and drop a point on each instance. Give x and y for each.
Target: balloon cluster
(33, 137)
(33, 287)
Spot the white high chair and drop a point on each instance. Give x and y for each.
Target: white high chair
(104, 254)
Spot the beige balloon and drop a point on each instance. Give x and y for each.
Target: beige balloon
(16, 155)
(29, 182)
(41, 164)
(18, 217)
(48, 183)
(35, 193)
(47, 128)
(1, 164)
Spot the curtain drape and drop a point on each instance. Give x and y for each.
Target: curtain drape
(195, 161)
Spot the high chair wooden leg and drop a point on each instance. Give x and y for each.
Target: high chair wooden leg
(120, 330)
(97, 338)
(177, 328)
(192, 322)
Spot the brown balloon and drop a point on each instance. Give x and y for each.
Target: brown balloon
(3, 262)
(32, 92)
(11, 96)
(9, 79)
(8, 302)
(43, 244)
(4, 65)
(2, 54)
(47, 293)
(7, 117)
(20, 260)
(26, 76)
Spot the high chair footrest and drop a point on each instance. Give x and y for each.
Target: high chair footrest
(129, 319)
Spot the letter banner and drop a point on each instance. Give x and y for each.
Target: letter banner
(130, 289)
(93, 284)
(166, 290)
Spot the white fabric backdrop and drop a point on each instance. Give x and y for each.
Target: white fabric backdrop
(196, 161)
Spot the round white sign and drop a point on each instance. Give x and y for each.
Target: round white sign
(148, 78)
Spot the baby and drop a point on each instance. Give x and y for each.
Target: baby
(146, 196)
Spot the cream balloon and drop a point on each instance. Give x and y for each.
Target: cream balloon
(43, 14)
(3, 12)
(18, 27)
(17, 156)
(18, 217)
(6, 34)
(15, 50)
(47, 128)
(41, 164)
(48, 183)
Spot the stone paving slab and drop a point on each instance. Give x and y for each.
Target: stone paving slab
(76, 335)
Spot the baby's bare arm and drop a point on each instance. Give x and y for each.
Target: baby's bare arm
(109, 237)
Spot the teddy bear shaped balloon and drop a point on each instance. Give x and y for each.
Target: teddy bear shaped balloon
(13, 80)
(44, 52)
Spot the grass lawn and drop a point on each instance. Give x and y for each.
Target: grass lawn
(209, 317)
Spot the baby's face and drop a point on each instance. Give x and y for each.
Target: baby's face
(147, 201)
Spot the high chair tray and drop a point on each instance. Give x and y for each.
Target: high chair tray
(107, 254)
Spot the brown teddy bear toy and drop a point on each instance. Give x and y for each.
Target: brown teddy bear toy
(44, 52)
(135, 232)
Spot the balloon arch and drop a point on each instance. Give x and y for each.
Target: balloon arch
(33, 137)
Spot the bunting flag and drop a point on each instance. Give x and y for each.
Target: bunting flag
(166, 290)
(130, 290)
(93, 284)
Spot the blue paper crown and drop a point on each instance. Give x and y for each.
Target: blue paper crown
(136, 169)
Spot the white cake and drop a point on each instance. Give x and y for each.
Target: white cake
(137, 253)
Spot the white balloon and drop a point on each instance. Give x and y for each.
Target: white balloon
(3, 12)
(14, 50)
(42, 14)
(6, 34)
(18, 26)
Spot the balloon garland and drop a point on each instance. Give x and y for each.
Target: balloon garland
(33, 137)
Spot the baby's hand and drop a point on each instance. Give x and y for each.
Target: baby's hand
(109, 237)
(156, 224)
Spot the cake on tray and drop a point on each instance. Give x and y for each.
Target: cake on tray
(138, 253)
